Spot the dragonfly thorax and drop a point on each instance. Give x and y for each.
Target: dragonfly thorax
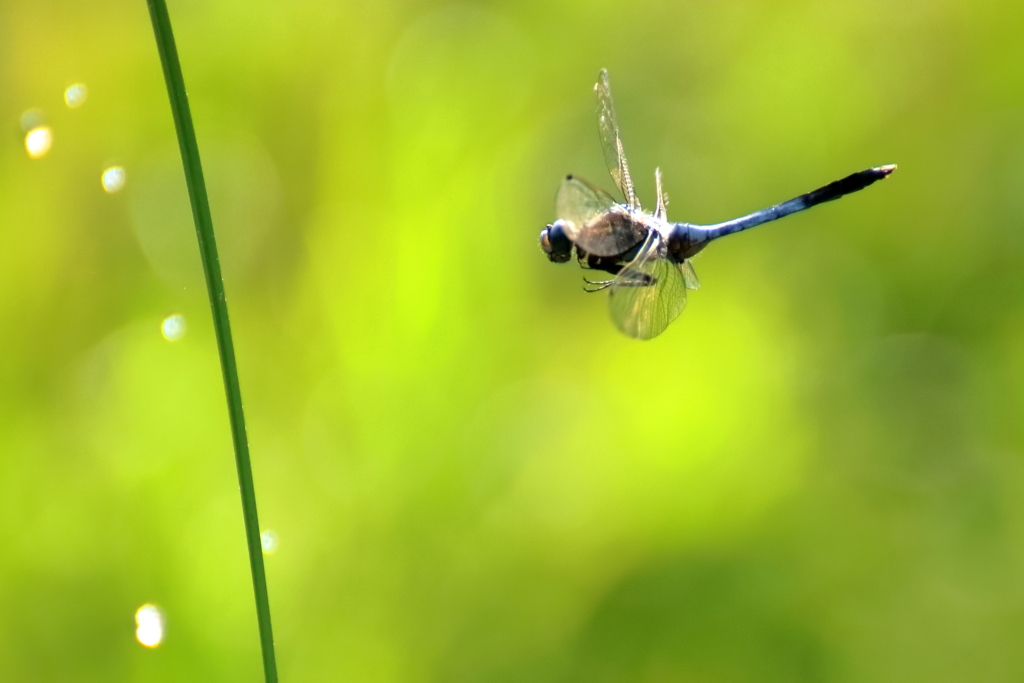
(612, 232)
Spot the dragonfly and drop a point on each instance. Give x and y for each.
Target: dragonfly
(646, 256)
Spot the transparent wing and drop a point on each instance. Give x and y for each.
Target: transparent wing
(661, 208)
(689, 276)
(593, 220)
(608, 127)
(578, 202)
(648, 293)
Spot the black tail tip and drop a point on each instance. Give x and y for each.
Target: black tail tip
(884, 171)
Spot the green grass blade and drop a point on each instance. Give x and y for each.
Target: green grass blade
(219, 306)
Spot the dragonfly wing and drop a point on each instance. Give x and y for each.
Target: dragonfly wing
(689, 276)
(578, 202)
(594, 221)
(648, 293)
(661, 208)
(608, 127)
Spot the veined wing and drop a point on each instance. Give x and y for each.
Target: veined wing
(608, 127)
(661, 208)
(579, 202)
(689, 276)
(686, 268)
(594, 221)
(648, 293)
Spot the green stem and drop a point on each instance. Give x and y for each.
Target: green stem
(218, 303)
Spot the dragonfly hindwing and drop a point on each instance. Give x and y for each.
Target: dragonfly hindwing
(648, 293)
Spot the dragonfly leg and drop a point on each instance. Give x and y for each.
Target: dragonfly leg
(632, 279)
(596, 285)
(636, 279)
(597, 263)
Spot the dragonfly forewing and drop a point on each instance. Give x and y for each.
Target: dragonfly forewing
(594, 221)
(611, 143)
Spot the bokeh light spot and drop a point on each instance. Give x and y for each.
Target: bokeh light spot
(149, 625)
(173, 327)
(268, 539)
(75, 95)
(38, 141)
(113, 179)
(31, 118)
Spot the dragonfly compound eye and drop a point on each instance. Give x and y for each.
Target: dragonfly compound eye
(555, 243)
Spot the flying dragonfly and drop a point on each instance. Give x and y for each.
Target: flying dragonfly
(647, 257)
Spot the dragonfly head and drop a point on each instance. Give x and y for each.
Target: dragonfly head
(555, 243)
(685, 240)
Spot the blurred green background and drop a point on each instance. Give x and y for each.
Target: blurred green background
(815, 474)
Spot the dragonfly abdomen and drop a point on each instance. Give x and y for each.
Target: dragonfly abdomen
(685, 240)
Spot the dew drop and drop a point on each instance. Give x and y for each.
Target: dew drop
(75, 95)
(268, 539)
(173, 327)
(31, 118)
(149, 625)
(38, 141)
(113, 179)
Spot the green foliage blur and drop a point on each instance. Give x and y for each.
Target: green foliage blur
(815, 474)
